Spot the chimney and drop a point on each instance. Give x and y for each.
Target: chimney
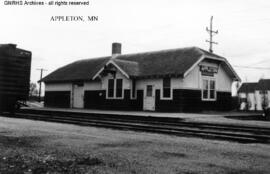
(116, 49)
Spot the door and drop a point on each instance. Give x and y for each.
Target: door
(149, 98)
(78, 95)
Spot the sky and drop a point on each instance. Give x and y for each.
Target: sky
(142, 25)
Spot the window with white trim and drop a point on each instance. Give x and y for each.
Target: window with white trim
(208, 89)
(133, 89)
(119, 88)
(111, 88)
(149, 91)
(115, 89)
(166, 91)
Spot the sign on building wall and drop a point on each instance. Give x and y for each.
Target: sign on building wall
(208, 70)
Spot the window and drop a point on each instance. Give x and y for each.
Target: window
(115, 88)
(149, 91)
(111, 88)
(133, 92)
(212, 89)
(205, 89)
(167, 88)
(119, 87)
(208, 89)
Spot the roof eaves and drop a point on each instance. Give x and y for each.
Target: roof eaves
(223, 59)
(193, 66)
(118, 67)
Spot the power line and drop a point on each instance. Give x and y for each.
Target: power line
(211, 33)
(262, 61)
(250, 67)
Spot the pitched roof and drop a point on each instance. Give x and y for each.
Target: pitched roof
(165, 62)
(130, 67)
(79, 70)
(263, 84)
(173, 62)
(247, 87)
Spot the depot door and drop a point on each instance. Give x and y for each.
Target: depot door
(149, 98)
(78, 95)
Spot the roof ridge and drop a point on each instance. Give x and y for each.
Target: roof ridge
(95, 58)
(146, 52)
(212, 54)
(157, 51)
(124, 61)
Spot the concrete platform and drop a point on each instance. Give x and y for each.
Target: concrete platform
(238, 118)
(137, 113)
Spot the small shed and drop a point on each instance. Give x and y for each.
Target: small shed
(255, 96)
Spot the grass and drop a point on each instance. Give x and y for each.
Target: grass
(39, 147)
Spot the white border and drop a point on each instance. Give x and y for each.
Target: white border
(208, 81)
(161, 91)
(113, 63)
(131, 88)
(145, 96)
(98, 73)
(114, 90)
(193, 66)
(214, 58)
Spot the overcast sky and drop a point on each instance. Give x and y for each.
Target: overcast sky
(142, 25)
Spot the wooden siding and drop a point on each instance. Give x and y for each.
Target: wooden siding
(183, 101)
(97, 100)
(59, 99)
(190, 101)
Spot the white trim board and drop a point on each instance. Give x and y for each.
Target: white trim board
(120, 69)
(214, 58)
(193, 66)
(114, 64)
(98, 73)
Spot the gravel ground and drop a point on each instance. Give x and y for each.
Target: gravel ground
(40, 147)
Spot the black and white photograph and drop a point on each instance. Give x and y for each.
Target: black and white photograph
(134, 87)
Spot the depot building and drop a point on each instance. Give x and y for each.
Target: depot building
(178, 80)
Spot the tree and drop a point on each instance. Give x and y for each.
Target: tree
(33, 91)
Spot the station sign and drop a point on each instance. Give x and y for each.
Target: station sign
(208, 70)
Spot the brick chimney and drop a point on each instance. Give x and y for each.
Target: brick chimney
(116, 49)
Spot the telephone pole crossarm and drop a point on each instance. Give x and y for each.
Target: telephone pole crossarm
(211, 33)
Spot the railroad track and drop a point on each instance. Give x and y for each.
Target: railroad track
(171, 126)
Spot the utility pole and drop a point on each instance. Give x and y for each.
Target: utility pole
(41, 73)
(211, 33)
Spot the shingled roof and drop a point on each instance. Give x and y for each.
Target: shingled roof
(175, 62)
(76, 71)
(247, 87)
(165, 62)
(263, 84)
(130, 67)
